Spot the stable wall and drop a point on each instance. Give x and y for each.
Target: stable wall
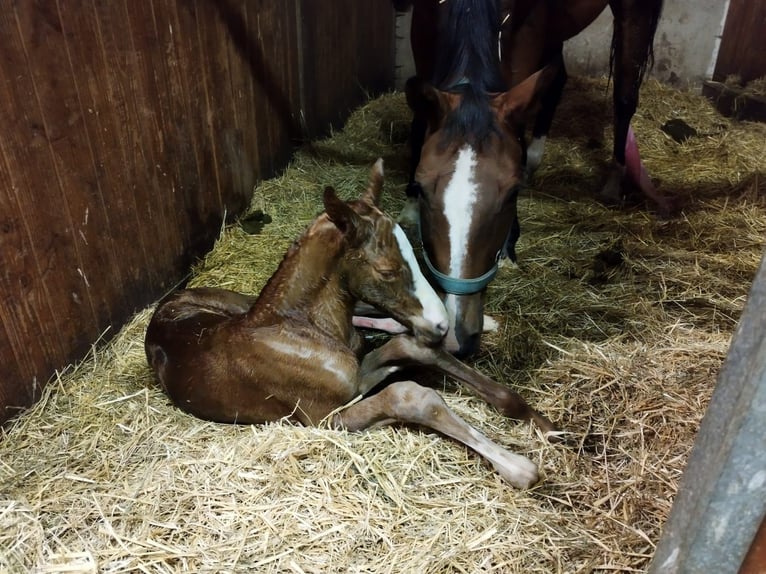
(131, 129)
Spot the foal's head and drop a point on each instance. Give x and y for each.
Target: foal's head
(470, 172)
(379, 265)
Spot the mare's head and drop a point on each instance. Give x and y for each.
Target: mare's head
(379, 266)
(471, 164)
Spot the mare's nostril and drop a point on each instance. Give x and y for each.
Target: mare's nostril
(443, 327)
(468, 346)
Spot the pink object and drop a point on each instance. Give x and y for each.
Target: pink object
(381, 324)
(634, 167)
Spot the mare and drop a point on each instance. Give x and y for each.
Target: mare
(533, 34)
(482, 67)
(293, 353)
(467, 164)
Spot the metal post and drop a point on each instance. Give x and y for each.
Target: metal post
(722, 497)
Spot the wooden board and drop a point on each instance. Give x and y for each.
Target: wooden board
(130, 129)
(742, 54)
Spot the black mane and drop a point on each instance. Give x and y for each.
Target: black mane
(468, 63)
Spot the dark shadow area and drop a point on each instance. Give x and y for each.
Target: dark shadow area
(261, 71)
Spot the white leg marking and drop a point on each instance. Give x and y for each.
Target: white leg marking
(459, 199)
(410, 214)
(535, 153)
(433, 308)
(490, 325)
(387, 325)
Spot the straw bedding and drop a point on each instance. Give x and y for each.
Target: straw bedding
(614, 325)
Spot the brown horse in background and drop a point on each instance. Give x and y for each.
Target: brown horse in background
(482, 66)
(533, 33)
(293, 353)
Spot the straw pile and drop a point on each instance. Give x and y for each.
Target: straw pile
(614, 325)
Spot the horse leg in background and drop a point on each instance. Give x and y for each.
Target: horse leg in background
(410, 214)
(408, 402)
(635, 23)
(549, 101)
(405, 350)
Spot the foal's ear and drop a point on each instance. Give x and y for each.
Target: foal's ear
(375, 187)
(519, 100)
(425, 101)
(341, 213)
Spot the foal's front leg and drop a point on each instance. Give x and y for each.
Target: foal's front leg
(405, 350)
(408, 402)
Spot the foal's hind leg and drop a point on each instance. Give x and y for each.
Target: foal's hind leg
(408, 402)
(405, 350)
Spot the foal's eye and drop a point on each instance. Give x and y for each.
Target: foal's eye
(387, 274)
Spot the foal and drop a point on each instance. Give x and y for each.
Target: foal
(292, 352)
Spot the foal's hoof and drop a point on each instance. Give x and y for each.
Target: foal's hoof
(517, 470)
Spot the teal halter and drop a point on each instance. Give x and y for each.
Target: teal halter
(458, 285)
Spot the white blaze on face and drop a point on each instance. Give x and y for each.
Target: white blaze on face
(459, 200)
(433, 308)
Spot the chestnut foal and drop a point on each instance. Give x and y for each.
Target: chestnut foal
(292, 351)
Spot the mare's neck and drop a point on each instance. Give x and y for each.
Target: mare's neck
(307, 286)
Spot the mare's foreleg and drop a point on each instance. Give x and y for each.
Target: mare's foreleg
(410, 214)
(549, 101)
(405, 350)
(634, 27)
(408, 402)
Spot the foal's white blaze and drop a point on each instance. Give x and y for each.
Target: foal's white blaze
(433, 308)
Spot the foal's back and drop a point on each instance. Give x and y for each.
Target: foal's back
(217, 364)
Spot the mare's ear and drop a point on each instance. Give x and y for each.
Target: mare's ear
(375, 187)
(517, 102)
(425, 101)
(342, 215)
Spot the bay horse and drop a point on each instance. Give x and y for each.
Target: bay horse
(467, 154)
(293, 352)
(482, 68)
(533, 33)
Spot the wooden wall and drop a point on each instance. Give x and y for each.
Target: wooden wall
(742, 54)
(130, 128)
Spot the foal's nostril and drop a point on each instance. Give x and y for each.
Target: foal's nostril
(442, 327)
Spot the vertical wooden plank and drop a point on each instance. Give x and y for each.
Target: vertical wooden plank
(742, 51)
(721, 500)
(755, 561)
(345, 58)
(44, 292)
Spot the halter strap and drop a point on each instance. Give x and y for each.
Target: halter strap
(458, 285)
